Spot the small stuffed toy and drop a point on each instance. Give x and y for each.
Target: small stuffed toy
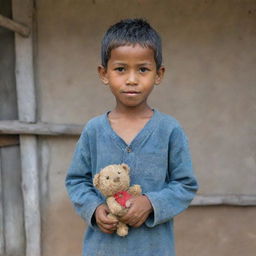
(113, 182)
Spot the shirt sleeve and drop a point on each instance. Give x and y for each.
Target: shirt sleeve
(181, 186)
(79, 182)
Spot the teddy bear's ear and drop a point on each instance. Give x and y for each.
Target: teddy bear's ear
(96, 180)
(126, 167)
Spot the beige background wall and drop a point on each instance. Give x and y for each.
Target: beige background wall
(210, 57)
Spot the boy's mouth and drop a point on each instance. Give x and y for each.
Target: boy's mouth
(131, 92)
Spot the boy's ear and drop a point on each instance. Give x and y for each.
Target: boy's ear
(159, 75)
(103, 74)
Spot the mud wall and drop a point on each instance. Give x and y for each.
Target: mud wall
(209, 55)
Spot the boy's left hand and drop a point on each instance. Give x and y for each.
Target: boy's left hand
(139, 209)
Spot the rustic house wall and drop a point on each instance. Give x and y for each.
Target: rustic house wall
(12, 233)
(209, 54)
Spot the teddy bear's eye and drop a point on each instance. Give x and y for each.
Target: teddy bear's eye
(107, 177)
(119, 172)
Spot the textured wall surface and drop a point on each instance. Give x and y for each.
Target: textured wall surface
(221, 231)
(210, 58)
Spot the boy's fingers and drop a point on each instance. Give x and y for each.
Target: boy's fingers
(137, 223)
(109, 227)
(106, 227)
(106, 224)
(133, 221)
(124, 219)
(103, 218)
(129, 216)
(106, 230)
(107, 220)
(129, 220)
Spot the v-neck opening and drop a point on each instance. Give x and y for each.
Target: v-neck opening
(139, 137)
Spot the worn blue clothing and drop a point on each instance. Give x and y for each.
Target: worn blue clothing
(160, 162)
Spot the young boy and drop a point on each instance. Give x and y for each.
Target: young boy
(153, 144)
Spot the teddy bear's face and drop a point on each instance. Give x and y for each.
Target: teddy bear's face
(112, 179)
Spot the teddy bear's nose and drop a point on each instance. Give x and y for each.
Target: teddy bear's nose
(117, 179)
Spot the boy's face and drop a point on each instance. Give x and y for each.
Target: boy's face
(131, 74)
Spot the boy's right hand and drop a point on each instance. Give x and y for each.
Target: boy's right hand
(106, 225)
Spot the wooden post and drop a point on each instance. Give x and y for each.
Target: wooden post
(14, 26)
(30, 189)
(23, 12)
(1, 213)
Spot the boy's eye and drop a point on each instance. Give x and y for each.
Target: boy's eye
(119, 69)
(143, 70)
(107, 177)
(119, 172)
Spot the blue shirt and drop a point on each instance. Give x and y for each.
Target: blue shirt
(160, 162)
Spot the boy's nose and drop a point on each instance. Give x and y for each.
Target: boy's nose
(132, 79)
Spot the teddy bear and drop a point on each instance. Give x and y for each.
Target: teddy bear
(113, 182)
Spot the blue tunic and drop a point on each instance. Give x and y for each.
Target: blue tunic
(160, 162)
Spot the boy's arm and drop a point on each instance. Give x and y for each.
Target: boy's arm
(79, 181)
(182, 186)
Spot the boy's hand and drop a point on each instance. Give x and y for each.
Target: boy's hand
(106, 224)
(140, 208)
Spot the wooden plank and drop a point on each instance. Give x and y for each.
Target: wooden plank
(235, 200)
(16, 127)
(30, 189)
(14, 26)
(14, 232)
(23, 12)
(1, 212)
(9, 140)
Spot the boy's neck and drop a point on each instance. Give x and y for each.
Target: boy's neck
(128, 122)
(136, 112)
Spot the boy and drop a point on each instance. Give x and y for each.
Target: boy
(152, 143)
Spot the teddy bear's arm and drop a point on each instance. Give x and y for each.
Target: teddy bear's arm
(135, 190)
(114, 207)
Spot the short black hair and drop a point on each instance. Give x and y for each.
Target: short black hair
(131, 32)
